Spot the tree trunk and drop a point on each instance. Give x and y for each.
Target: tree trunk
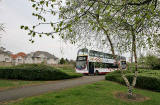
(135, 57)
(132, 55)
(113, 53)
(130, 89)
(130, 93)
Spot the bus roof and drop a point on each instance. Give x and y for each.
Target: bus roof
(87, 52)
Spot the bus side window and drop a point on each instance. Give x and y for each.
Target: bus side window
(108, 65)
(96, 54)
(104, 65)
(91, 53)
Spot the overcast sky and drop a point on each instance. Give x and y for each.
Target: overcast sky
(15, 13)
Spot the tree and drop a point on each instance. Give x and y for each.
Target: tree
(62, 61)
(124, 25)
(139, 24)
(67, 61)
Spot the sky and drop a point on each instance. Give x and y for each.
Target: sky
(15, 13)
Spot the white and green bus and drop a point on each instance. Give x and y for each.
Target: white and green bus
(95, 62)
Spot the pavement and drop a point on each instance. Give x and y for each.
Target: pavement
(16, 93)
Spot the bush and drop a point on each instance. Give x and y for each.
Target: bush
(146, 79)
(34, 72)
(62, 61)
(149, 62)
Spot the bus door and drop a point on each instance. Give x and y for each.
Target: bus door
(91, 67)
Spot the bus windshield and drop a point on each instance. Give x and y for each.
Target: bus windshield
(82, 58)
(81, 62)
(123, 62)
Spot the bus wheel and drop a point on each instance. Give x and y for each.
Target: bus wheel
(97, 73)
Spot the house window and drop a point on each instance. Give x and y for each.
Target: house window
(6, 59)
(39, 59)
(19, 60)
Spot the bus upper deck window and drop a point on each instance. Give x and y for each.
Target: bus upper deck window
(83, 52)
(96, 54)
(101, 55)
(91, 53)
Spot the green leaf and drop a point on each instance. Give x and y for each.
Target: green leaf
(68, 3)
(34, 5)
(33, 34)
(52, 5)
(32, 41)
(61, 23)
(47, 4)
(82, 10)
(32, 0)
(69, 25)
(93, 28)
(36, 8)
(22, 27)
(70, 30)
(44, 19)
(51, 24)
(57, 29)
(33, 27)
(41, 2)
(33, 14)
(98, 29)
(26, 27)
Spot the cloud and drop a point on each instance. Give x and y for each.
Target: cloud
(16, 40)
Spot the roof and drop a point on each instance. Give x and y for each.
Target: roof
(13, 56)
(5, 52)
(48, 55)
(22, 54)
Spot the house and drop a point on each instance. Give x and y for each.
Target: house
(5, 57)
(18, 58)
(29, 59)
(41, 57)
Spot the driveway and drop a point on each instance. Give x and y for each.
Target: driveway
(13, 94)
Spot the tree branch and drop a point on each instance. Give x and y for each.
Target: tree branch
(140, 3)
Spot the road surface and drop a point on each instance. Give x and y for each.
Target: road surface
(13, 94)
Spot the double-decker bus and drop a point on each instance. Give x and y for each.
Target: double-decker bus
(95, 62)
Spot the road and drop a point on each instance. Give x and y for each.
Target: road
(13, 94)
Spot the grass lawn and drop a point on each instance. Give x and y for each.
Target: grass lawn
(69, 69)
(100, 93)
(6, 84)
(66, 68)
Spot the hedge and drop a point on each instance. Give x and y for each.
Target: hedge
(34, 72)
(145, 80)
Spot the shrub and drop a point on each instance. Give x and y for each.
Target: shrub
(146, 79)
(149, 62)
(34, 72)
(62, 61)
